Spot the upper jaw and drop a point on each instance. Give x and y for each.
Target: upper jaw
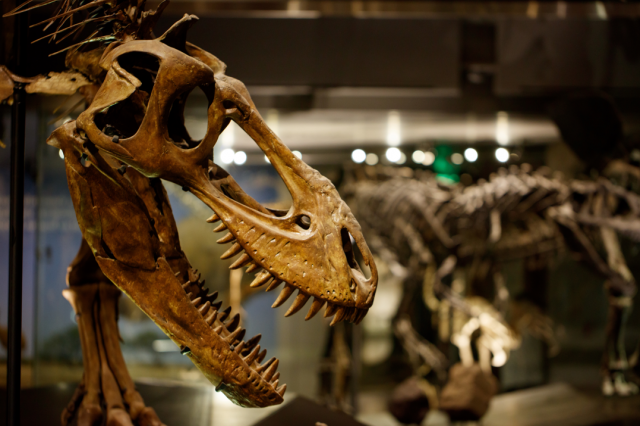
(313, 260)
(316, 257)
(318, 261)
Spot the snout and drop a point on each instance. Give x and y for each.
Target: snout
(363, 288)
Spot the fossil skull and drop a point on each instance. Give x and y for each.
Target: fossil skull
(135, 121)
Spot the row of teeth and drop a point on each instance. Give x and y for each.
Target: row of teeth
(264, 277)
(231, 332)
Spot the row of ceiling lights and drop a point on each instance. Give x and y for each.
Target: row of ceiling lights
(393, 154)
(426, 158)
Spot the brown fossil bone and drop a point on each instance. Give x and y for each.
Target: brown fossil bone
(287, 247)
(55, 83)
(131, 136)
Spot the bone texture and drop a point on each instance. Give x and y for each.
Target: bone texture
(129, 137)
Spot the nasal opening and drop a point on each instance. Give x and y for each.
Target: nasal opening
(353, 254)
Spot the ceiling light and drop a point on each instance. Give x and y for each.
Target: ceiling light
(266, 159)
(240, 157)
(502, 128)
(429, 158)
(393, 128)
(417, 156)
(457, 158)
(471, 155)
(61, 154)
(226, 156)
(372, 159)
(402, 159)
(502, 155)
(298, 154)
(358, 156)
(393, 154)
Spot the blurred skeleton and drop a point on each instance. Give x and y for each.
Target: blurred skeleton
(441, 232)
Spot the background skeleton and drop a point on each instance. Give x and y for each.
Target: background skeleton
(434, 232)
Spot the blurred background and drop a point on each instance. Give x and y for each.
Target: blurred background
(457, 88)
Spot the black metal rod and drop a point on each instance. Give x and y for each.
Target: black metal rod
(15, 257)
(16, 219)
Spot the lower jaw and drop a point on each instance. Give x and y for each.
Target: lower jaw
(208, 345)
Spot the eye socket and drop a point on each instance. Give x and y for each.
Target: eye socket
(304, 221)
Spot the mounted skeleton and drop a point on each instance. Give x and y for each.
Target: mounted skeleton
(131, 136)
(431, 230)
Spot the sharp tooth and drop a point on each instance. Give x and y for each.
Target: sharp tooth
(235, 249)
(252, 356)
(297, 304)
(315, 307)
(339, 316)
(253, 341)
(186, 285)
(241, 261)
(331, 309)
(220, 228)
(214, 218)
(260, 279)
(261, 356)
(266, 365)
(252, 267)
(275, 384)
(225, 314)
(218, 329)
(270, 371)
(280, 391)
(276, 376)
(212, 297)
(354, 315)
(211, 318)
(233, 322)
(363, 313)
(358, 316)
(226, 239)
(204, 308)
(177, 274)
(196, 301)
(194, 275)
(241, 335)
(239, 348)
(274, 284)
(347, 314)
(286, 292)
(217, 305)
(232, 337)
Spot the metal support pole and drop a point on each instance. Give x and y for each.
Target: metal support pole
(16, 218)
(15, 257)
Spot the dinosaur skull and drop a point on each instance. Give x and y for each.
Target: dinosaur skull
(137, 118)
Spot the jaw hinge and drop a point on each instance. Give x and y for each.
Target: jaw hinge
(221, 387)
